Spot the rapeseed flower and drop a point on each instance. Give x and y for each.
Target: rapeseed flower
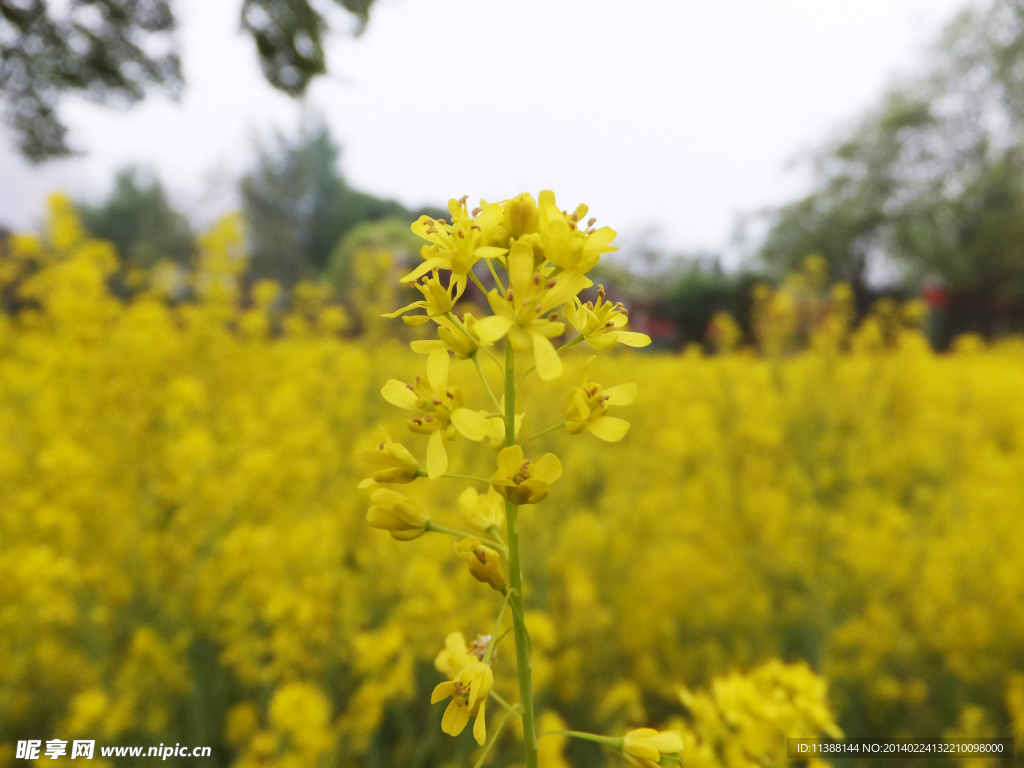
(437, 301)
(455, 656)
(442, 409)
(389, 462)
(521, 481)
(404, 518)
(483, 510)
(600, 323)
(468, 690)
(484, 563)
(587, 409)
(523, 311)
(458, 246)
(648, 748)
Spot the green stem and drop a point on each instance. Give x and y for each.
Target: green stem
(480, 370)
(515, 576)
(435, 528)
(452, 476)
(501, 700)
(543, 432)
(497, 282)
(497, 626)
(611, 741)
(461, 327)
(493, 530)
(494, 738)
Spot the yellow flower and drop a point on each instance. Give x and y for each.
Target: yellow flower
(496, 429)
(452, 338)
(520, 216)
(484, 563)
(648, 748)
(390, 462)
(469, 690)
(456, 246)
(455, 657)
(598, 323)
(566, 244)
(587, 409)
(405, 519)
(524, 482)
(523, 313)
(442, 409)
(437, 301)
(483, 511)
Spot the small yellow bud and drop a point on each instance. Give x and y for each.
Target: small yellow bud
(483, 511)
(484, 563)
(455, 657)
(389, 462)
(648, 748)
(405, 519)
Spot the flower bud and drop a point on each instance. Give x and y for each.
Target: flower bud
(484, 563)
(648, 748)
(483, 511)
(389, 462)
(405, 519)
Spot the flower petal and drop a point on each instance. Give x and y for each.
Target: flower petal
(455, 718)
(609, 428)
(426, 346)
(397, 393)
(624, 394)
(566, 286)
(471, 424)
(520, 269)
(407, 308)
(549, 364)
(437, 370)
(631, 338)
(480, 726)
(489, 252)
(437, 457)
(425, 267)
(492, 328)
(510, 459)
(547, 468)
(442, 691)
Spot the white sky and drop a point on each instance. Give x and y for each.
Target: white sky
(674, 114)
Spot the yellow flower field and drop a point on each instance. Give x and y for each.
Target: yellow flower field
(779, 544)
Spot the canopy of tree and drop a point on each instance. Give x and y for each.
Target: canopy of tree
(932, 180)
(114, 51)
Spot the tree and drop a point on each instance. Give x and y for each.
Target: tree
(298, 207)
(140, 221)
(104, 50)
(931, 179)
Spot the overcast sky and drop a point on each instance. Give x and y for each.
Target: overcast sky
(678, 115)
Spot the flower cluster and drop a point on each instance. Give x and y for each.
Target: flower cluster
(537, 258)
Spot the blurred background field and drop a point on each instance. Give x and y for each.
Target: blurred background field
(185, 557)
(813, 526)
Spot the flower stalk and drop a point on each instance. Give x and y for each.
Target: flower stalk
(546, 253)
(523, 663)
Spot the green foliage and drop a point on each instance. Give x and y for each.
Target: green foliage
(298, 208)
(140, 221)
(289, 38)
(699, 292)
(930, 180)
(96, 48)
(103, 50)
